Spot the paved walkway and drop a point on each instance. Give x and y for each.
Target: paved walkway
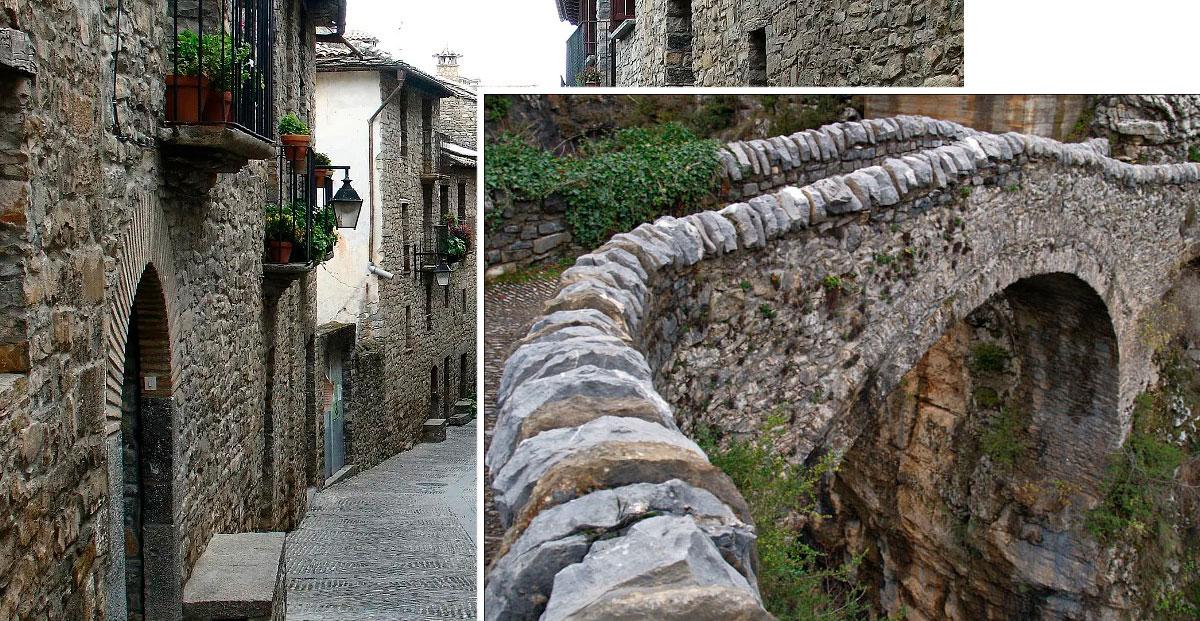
(508, 311)
(395, 542)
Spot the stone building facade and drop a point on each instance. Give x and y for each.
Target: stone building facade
(411, 352)
(156, 381)
(765, 43)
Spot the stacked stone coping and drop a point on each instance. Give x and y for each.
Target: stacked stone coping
(599, 490)
(748, 168)
(752, 167)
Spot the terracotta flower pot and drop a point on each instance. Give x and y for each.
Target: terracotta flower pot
(218, 108)
(295, 148)
(319, 177)
(186, 96)
(279, 251)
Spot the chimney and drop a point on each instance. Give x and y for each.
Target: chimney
(447, 64)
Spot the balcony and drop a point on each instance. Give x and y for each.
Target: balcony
(219, 84)
(301, 229)
(431, 157)
(443, 247)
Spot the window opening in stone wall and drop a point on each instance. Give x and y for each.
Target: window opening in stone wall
(462, 201)
(445, 200)
(427, 133)
(758, 57)
(621, 11)
(435, 405)
(464, 370)
(428, 305)
(404, 126)
(446, 387)
(404, 233)
(679, 43)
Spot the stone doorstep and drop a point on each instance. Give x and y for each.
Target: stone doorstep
(239, 576)
(464, 412)
(434, 430)
(344, 473)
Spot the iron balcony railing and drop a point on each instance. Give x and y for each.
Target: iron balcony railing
(431, 151)
(221, 67)
(300, 228)
(580, 46)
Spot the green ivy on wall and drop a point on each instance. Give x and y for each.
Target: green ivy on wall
(612, 184)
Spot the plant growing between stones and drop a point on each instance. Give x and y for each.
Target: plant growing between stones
(795, 579)
(767, 311)
(989, 358)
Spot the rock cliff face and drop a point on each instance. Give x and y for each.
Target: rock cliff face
(968, 491)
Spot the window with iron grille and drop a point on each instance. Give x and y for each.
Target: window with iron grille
(221, 65)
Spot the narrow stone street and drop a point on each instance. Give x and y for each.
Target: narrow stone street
(395, 542)
(509, 309)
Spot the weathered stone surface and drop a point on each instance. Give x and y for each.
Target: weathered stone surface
(520, 583)
(525, 398)
(559, 320)
(664, 551)
(238, 576)
(534, 457)
(745, 221)
(542, 359)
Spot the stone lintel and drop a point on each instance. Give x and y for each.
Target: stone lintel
(240, 576)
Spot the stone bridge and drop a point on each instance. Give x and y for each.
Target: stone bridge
(819, 303)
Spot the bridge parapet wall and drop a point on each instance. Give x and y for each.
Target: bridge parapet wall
(537, 231)
(599, 488)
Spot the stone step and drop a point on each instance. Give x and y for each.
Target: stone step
(434, 430)
(464, 412)
(239, 576)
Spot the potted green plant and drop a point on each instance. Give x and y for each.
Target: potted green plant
(320, 174)
(281, 233)
(458, 240)
(324, 237)
(590, 76)
(225, 64)
(186, 88)
(296, 139)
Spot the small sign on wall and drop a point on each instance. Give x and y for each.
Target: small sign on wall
(151, 382)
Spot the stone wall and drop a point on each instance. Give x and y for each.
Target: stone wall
(97, 204)
(421, 325)
(459, 119)
(829, 43)
(812, 301)
(537, 232)
(1150, 128)
(1052, 116)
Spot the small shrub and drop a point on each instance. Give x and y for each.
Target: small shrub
(496, 107)
(793, 577)
(746, 286)
(1193, 154)
(986, 397)
(1004, 439)
(965, 191)
(832, 283)
(767, 311)
(989, 358)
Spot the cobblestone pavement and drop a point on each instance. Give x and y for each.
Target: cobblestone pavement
(395, 542)
(508, 311)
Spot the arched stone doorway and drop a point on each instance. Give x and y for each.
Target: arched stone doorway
(149, 525)
(967, 491)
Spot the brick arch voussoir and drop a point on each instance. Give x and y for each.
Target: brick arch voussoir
(145, 244)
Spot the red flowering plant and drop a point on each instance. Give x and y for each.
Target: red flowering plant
(458, 239)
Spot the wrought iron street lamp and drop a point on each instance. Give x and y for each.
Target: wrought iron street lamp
(346, 202)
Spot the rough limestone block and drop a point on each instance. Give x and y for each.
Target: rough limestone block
(239, 576)
(855, 133)
(534, 457)
(921, 168)
(836, 134)
(839, 199)
(902, 175)
(667, 552)
(816, 202)
(710, 247)
(730, 164)
(585, 381)
(746, 159)
(887, 194)
(16, 52)
(764, 207)
(720, 230)
(793, 152)
(542, 359)
(829, 150)
(616, 255)
(579, 409)
(802, 146)
(686, 238)
(795, 205)
(749, 236)
(654, 235)
(615, 302)
(1016, 142)
(652, 256)
(554, 322)
(613, 274)
(520, 583)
